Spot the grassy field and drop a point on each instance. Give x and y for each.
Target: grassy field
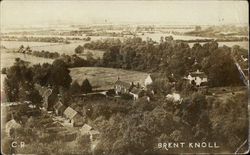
(8, 58)
(68, 49)
(17, 44)
(104, 78)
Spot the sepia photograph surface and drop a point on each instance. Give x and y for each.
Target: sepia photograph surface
(124, 77)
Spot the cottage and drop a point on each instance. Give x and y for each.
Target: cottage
(149, 80)
(59, 108)
(197, 78)
(45, 92)
(121, 87)
(88, 130)
(135, 92)
(75, 119)
(174, 97)
(10, 126)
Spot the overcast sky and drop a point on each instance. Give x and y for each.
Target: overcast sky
(29, 13)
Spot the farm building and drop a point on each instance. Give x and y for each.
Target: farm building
(59, 108)
(11, 125)
(135, 92)
(197, 78)
(47, 96)
(121, 87)
(75, 119)
(174, 97)
(150, 79)
(88, 130)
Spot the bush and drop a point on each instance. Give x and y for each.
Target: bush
(4, 70)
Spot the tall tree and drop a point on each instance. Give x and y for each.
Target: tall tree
(59, 75)
(75, 88)
(86, 86)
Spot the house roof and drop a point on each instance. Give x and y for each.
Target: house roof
(122, 83)
(198, 73)
(94, 132)
(135, 90)
(153, 76)
(86, 127)
(12, 124)
(43, 91)
(59, 105)
(70, 113)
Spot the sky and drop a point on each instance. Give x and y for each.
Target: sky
(207, 12)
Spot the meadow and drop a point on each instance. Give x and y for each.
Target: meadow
(8, 58)
(104, 78)
(17, 44)
(68, 49)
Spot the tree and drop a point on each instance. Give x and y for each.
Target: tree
(18, 76)
(221, 69)
(86, 87)
(75, 88)
(79, 49)
(59, 75)
(197, 28)
(4, 70)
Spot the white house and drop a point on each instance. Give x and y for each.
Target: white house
(88, 130)
(174, 97)
(197, 78)
(148, 80)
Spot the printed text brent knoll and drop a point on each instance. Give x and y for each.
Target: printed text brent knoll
(172, 145)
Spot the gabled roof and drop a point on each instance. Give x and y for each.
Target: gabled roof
(70, 113)
(94, 132)
(153, 76)
(198, 73)
(86, 127)
(58, 105)
(122, 83)
(43, 91)
(135, 90)
(12, 124)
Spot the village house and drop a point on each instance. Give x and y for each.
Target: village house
(46, 93)
(88, 130)
(149, 80)
(135, 92)
(59, 108)
(75, 119)
(121, 87)
(11, 126)
(197, 78)
(175, 98)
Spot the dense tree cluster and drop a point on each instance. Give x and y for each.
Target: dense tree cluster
(129, 127)
(172, 58)
(44, 54)
(19, 85)
(35, 39)
(20, 79)
(79, 49)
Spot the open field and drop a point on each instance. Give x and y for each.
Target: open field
(8, 58)
(17, 44)
(104, 78)
(68, 49)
